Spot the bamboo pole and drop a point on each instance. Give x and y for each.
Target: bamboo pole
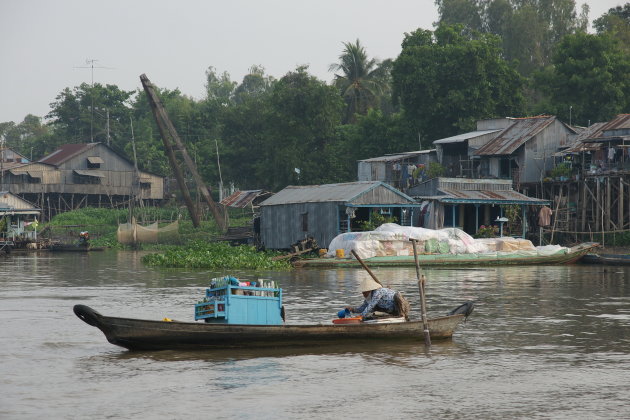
(366, 267)
(160, 114)
(555, 217)
(157, 109)
(423, 304)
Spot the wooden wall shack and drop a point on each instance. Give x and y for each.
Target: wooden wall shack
(81, 175)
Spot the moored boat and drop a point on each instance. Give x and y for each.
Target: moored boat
(606, 259)
(75, 248)
(562, 256)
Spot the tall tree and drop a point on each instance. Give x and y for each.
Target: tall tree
(529, 29)
(616, 23)
(361, 81)
(448, 79)
(219, 88)
(255, 83)
(466, 12)
(589, 80)
(90, 113)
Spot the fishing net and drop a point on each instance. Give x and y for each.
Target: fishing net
(132, 233)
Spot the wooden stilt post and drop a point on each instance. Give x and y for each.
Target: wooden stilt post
(608, 206)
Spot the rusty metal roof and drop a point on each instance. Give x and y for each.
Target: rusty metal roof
(488, 197)
(242, 199)
(65, 152)
(620, 122)
(515, 135)
(579, 145)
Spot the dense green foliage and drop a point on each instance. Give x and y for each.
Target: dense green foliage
(103, 223)
(589, 79)
(217, 255)
(529, 30)
(448, 79)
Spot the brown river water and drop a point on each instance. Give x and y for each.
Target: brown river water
(543, 342)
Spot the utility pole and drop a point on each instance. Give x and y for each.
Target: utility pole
(107, 112)
(168, 130)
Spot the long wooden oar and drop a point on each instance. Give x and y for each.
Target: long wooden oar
(423, 304)
(366, 267)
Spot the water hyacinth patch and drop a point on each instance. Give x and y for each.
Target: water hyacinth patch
(215, 255)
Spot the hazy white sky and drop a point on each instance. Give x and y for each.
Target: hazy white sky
(42, 42)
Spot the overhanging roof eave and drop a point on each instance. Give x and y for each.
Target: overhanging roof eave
(452, 200)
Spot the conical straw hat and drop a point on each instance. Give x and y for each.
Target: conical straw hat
(368, 284)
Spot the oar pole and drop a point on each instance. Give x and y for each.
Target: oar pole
(423, 303)
(366, 267)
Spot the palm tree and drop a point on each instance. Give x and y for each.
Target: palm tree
(361, 81)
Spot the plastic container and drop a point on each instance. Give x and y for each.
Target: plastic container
(355, 320)
(322, 252)
(339, 253)
(344, 313)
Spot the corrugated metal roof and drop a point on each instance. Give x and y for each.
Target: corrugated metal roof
(592, 131)
(66, 152)
(399, 156)
(89, 172)
(14, 203)
(466, 136)
(11, 165)
(322, 193)
(487, 197)
(514, 136)
(95, 159)
(241, 199)
(579, 145)
(620, 122)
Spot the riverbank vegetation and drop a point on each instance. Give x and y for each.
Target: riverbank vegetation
(102, 224)
(193, 247)
(216, 255)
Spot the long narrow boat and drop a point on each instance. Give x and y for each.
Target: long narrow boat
(563, 256)
(139, 334)
(75, 248)
(607, 259)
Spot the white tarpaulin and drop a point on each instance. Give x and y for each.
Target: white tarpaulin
(391, 239)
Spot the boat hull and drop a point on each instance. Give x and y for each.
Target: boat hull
(607, 259)
(75, 248)
(138, 334)
(571, 256)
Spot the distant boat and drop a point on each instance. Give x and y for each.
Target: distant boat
(606, 259)
(563, 256)
(75, 248)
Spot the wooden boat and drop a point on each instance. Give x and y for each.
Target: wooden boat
(75, 248)
(139, 334)
(607, 259)
(564, 256)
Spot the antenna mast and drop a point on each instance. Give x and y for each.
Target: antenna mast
(90, 62)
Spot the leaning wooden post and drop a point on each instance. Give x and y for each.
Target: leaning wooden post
(366, 267)
(423, 304)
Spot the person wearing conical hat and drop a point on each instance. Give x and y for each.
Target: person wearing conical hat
(377, 298)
